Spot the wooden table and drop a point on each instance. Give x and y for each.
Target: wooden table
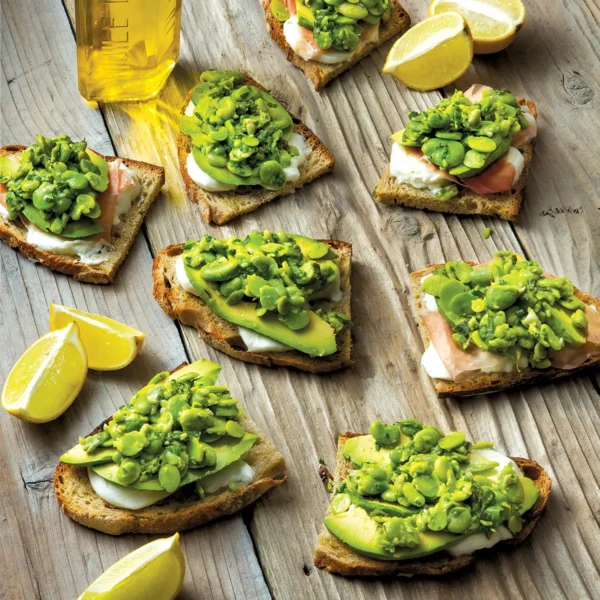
(267, 551)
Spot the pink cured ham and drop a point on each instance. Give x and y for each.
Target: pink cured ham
(498, 177)
(291, 7)
(571, 357)
(464, 364)
(461, 364)
(307, 47)
(3, 192)
(108, 200)
(475, 92)
(119, 180)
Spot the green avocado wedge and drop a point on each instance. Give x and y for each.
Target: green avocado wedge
(8, 166)
(363, 449)
(388, 508)
(228, 450)
(359, 531)
(223, 174)
(78, 456)
(316, 339)
(99, 162)
(314, 249)
(530, 494)
(73, 229)
(503, 146)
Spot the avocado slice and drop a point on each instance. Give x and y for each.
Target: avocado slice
(99, 162)
(362, 449)
(203, 367)
(8, 166)
(359, 531)
(314, 249)
(561, 324)
(530, 494)
(73, 230)
(316, 339)
(228, 450)
(78, 456)
(222, 174)
(392, 510)
(503, 146)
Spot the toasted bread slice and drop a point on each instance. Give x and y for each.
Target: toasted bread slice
(183, 510)
(485, 383)
(224, 336)
(505, 205)
(14, 233)
(333, 555)
(321, 74)
(221, 207)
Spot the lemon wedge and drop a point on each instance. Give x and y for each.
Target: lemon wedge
(109, 345)
(432, 54)
(154, 571)
(47, 378)
(493, 23)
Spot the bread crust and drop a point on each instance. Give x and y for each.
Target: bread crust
(221, 207)
(14, 233)
(183, 510)
(321, 74)
(224, 336)
(486, 383)
(505, 205)
(336, 557)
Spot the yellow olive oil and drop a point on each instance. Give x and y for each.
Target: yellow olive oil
(126, 49)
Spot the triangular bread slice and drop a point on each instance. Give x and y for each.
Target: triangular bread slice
(505, 205)
(333, 555)
(183, 510)
(14, 233)
(485, 383)
(222, 335)
(321, 74)
(221, 207)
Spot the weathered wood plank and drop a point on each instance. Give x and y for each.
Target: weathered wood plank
(43, 554)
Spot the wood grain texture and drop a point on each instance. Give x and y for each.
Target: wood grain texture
(555, 61)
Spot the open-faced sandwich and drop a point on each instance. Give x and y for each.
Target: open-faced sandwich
(180, 453)
(502, 324)
(71, 209)
(269, 298)
(324, 38)
(468, 155)
(239, 147)
(409, 500)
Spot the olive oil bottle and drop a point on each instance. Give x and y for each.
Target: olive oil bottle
(126, 49)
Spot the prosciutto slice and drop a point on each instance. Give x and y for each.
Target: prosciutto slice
(461, 364)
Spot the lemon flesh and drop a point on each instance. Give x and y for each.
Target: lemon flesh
(155, 571)
(47, 378)
(109, 345)
(493, 23)
(434, 53)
